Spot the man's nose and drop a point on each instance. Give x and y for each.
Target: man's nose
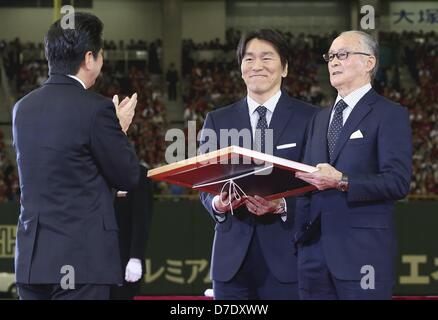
(335, 62)
(257, 65)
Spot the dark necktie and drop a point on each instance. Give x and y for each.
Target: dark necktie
(262, 125)
(335, 127)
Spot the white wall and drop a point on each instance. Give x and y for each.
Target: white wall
(206, 20)
(314, 25)
(203, 20)
(129, 19)
(296, 17)
(29, 24)
(124, 20)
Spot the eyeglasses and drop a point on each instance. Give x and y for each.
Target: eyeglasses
(341, 55)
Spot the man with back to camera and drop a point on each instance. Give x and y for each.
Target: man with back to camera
(71, 151)
(362, 146)
(252, 251)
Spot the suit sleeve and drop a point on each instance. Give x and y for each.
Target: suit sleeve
(207, 198)
(394, 154)
(142, 206)
(302, 206)
(112, 150)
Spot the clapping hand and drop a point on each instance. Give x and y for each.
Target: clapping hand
(125, 110)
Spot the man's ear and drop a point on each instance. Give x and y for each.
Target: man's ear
(371, 63)
(285, 69)
(89, 60)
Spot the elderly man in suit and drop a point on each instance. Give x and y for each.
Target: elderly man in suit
(252, 251)
(362, 146)
(71, 151)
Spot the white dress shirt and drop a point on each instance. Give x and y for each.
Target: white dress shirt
(352, 99)
(254, 116)
(77, 79)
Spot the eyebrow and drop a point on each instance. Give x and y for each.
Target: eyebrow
(264, 53)
(341, 49)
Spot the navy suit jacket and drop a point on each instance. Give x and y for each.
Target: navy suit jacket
(232, 236)
(70, 152)
(133, 214)
(357, 227)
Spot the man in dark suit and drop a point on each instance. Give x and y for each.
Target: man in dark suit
(71, 150)
(252, 251)
(363, 148)
(133, 212)
(172, 81)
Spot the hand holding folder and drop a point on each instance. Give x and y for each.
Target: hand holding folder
(226, 203)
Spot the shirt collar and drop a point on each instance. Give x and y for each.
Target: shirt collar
(353, 98)
(77, 79)
(270, 104)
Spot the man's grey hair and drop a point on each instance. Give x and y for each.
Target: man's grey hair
(370, 44)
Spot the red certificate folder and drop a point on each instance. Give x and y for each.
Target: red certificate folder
(253, 172)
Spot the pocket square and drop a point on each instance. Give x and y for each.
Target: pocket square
(285, 146)
(356, 135)
(121, 194)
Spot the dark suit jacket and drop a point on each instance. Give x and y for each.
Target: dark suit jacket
(233, 236)
(133, 214)
(357, 227)
(70, 152)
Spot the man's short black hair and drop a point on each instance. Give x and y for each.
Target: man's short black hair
(65, 48)
(274, 37)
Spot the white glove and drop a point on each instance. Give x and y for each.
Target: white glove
(133, 270)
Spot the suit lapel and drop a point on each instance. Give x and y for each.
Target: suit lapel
(323, 125)
(359, 112)
(241, 119)
(281, 116)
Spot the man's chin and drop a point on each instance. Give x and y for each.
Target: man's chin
(335, 83)
(257, 89)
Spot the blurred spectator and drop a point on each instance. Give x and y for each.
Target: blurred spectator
(172, 81)
(216, 83)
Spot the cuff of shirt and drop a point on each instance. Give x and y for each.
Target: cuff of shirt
(284, 214)
(220, 217)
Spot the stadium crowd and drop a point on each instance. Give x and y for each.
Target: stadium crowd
(210, 84)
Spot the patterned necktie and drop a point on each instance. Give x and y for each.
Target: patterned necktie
(335, 127)
(262, 125)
